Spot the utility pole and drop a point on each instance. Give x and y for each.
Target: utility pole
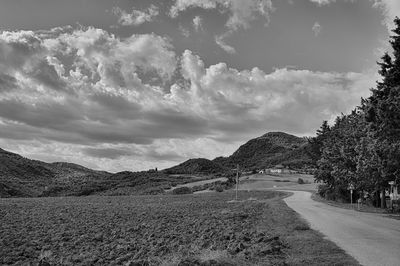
(237, 180)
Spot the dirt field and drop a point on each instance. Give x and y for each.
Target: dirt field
(204, 229)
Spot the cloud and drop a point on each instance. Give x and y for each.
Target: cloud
(323, 2)
(7, 83)
(184, 31)
(110, 153)
(232, 97)
(137, 17)
(219, 40)
(182, 5)
(241, 14)
(390, 9)
(316, 28)
(87, 90)
(197, 23)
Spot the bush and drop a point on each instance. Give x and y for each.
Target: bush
(182, 190)
(336, 194)
(323, 190)
(300, 181)
(219, 188)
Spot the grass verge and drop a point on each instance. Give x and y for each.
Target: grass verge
(363, 207)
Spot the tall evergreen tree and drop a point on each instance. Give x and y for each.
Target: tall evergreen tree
(383, 111)
(315, 147)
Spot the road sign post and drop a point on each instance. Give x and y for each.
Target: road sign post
(351, 188)
(351, 198)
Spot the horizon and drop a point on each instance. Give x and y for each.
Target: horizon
(135, 85)
(161, 169)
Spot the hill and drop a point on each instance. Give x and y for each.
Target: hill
(22, 177)
(197, 166)
(269, 150)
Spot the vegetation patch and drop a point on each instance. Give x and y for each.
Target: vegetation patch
(182, 190)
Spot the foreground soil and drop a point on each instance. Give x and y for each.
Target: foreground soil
(203, 229)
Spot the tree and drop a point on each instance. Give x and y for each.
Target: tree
(315, 144)
(337, 167)
(382, 114)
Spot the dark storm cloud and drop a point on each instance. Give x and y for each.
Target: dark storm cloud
(116, 120)
(117, 104)
(45, 115)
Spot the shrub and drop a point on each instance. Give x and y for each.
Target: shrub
(336, 194)
(182, 190)
(219, 188)
(300, 181)
(323, 190)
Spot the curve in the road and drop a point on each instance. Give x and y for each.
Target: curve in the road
(370, 238)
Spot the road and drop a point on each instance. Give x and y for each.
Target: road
(370, 238)
(198, 183)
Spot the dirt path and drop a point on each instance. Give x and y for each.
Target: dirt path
(369, 238)
(199, 183)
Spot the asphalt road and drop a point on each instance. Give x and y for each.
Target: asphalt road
(370, 238)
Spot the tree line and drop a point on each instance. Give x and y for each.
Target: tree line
(363, 148)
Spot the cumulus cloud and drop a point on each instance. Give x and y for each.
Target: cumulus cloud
(197, 23)
(255, 98)
(316, 28)
(86, 89)
(137, 17)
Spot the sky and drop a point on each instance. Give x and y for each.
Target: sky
(138, 84)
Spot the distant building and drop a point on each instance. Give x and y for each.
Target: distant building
(278, 169)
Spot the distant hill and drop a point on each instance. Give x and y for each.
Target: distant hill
(22, 177)
(197, 166)
(269, 150)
